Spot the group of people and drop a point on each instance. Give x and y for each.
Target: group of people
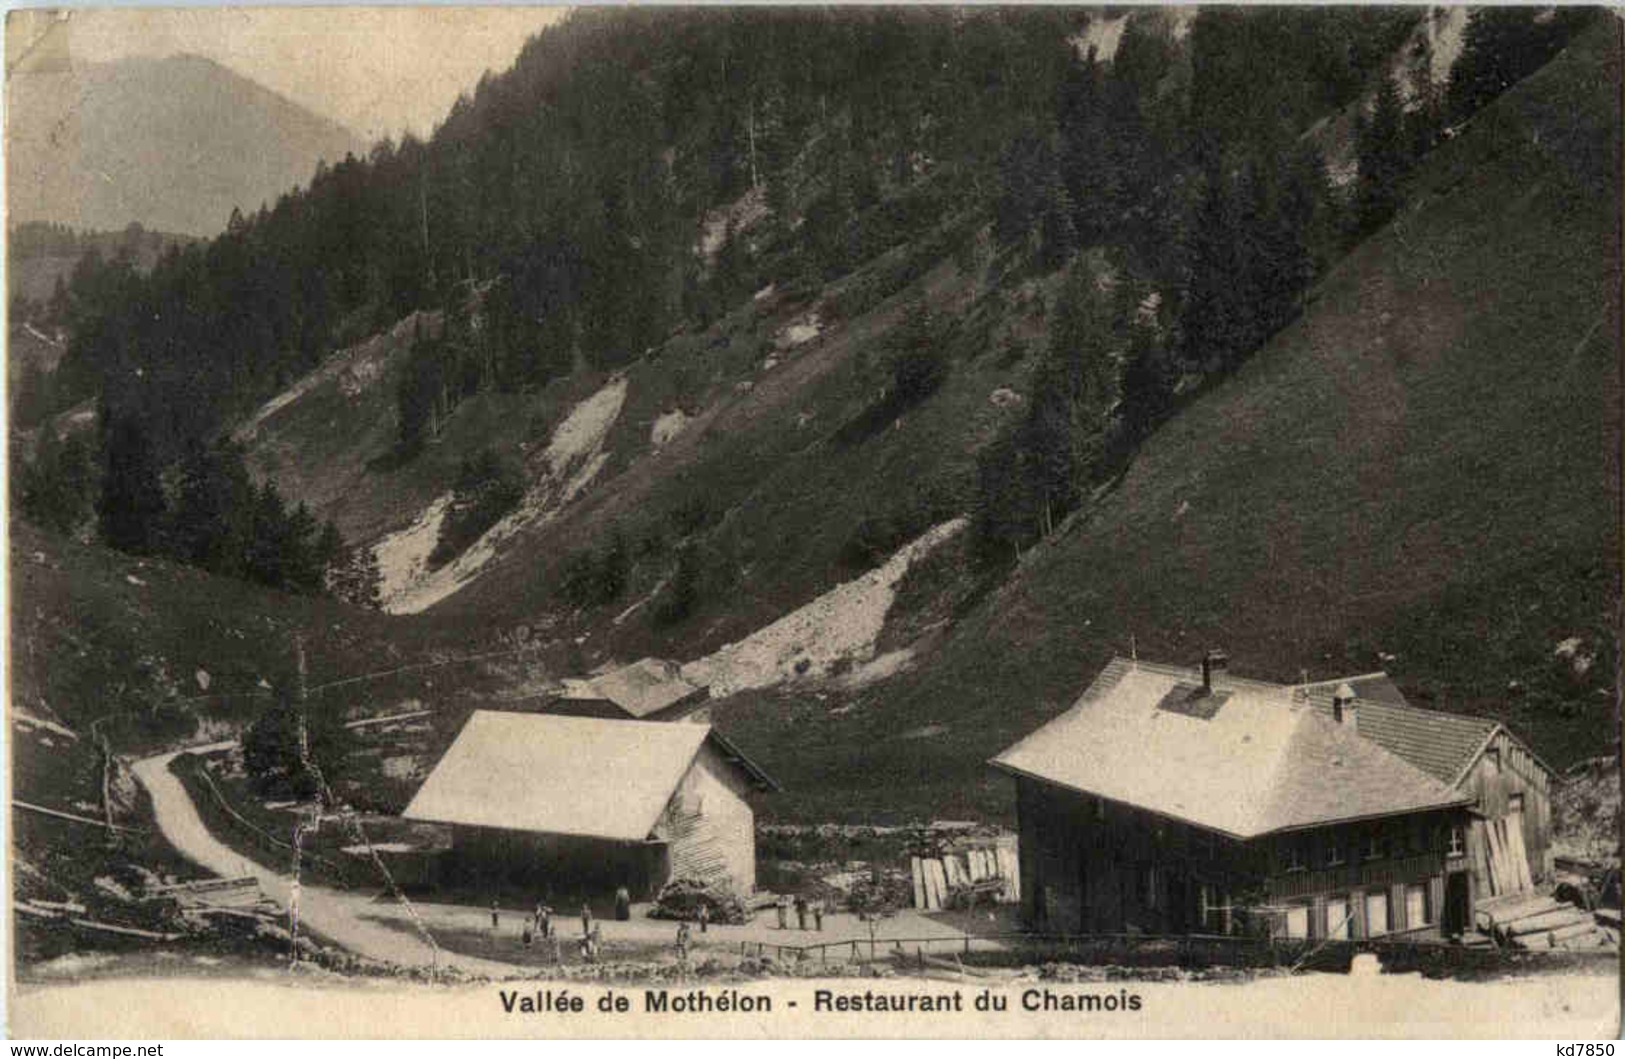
(539, 926)
(803, 908)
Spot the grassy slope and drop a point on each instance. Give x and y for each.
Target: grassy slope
(1425, 465)
(95, 633)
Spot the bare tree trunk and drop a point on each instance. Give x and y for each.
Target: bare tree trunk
(750, 129)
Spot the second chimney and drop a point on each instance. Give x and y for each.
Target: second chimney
(1212, 662)
(1343, 708)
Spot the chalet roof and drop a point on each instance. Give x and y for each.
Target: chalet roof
(1262, 761)
(1443, 745)
(642, 689)
(565, 775)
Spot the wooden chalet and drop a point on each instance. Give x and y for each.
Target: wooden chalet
(1170, 800)
(573, 804)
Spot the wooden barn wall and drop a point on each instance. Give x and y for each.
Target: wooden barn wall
(1135, 871)
(1492, 787)
(1084, 870)
(1414, 850)
(554, 865)
(721, 838)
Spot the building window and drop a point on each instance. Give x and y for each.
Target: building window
(1458, 842)
(1338, 917)
(1376, 844)
(1493, 756)
(1514, 803)
(1416, 906)
(1334, 850)
(1294, 855)
(1376, 913)
(1297, 921)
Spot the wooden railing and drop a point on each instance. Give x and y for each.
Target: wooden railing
(1409, 950)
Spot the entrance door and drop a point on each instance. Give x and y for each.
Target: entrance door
(1458, 903)
(1179, 904)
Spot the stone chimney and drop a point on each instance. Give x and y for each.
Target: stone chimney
(1212, 662)
(1343, 708)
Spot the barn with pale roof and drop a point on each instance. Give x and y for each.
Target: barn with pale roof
(1169, 800)
(573, 804)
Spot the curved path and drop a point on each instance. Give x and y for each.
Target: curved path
(347, 919)
(383, 931)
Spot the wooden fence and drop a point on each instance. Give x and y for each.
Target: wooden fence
(218, 812)
(1400, 952)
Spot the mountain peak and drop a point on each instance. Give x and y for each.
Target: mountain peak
(173, 142)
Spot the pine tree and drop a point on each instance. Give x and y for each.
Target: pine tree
(1384, 159)
(1503, 45)
(1147, 383)
(1215, 326)
(268, 549)
(54, 489)
(131, 506)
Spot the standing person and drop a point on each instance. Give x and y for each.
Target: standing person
(493, 915)
(818, 915)
(705, 916)
(586, 920)
(544, 920)
(623, 904)
(595, 942)
(801, 912)
(782, 906)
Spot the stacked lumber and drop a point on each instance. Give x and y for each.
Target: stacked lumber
(937, 880)
(241, 892)
(1541, 922)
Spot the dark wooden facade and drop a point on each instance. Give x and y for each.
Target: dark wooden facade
(1507, 782)
(1089, 865)
(556, 864)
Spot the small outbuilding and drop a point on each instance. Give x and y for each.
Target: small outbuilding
(576, 803)
(650, 689)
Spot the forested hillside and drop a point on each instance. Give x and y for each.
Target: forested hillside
(694, 316)
(592, 167)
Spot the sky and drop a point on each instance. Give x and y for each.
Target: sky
(377, 70)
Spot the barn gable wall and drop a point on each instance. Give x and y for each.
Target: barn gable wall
(708, 825)
(1503, 770)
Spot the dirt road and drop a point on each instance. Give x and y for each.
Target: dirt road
(381, 929)
(352, 920)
